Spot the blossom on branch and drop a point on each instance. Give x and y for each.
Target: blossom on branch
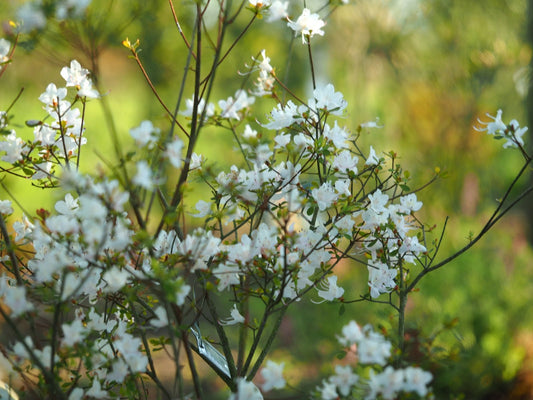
(272, 373)
(308, 24)
(512, 132)
(246, 390)
(5, 47)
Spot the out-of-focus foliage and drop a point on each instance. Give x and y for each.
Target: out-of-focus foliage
(430, 69)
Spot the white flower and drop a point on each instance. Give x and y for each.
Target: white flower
(73, 333)
(282, 140)
(246, 390)
(97, 322)
(307, 24)
(199, 247)
(42, 170)
(387, 384)
(86, 89)
(236, 317)
(227, 276)
(173, 152)
(372, 157)
(20, 350)
(166, 243)
(328, 391)
(144, 176)
(230, 107)
(69, 206)
(75, 74)
(249, 133)
(378, 201)
(115, 278)
(162, 319)
(53, 95)
(330, 291)
(272, 373)
(344, 379)
(324, 196)
(119, 371)
(182, 293)
(31, 16)
(14, 297)
(44, 135)
(259, 3)
(196, 161)
(336, 135)
(514, 137)
(145, 134)
(5, 207)
(345, 162)
(3, 119)
(373, 348)
(62, 224)
(327, 98)
(265, 81)
(380, 278)
(351, 333)
(13, 146)
(371, 124)
(23, 228)
(512, 132)
(277, 11)
(128, 347)
(76, 394)
(410, 248)
(91, 208)
(283, 116)
(74, 8)
(96, 391)
(189, 104)
(410, 202)
(204, 209)
(342, 186)
(497, 126)
(5, 46)
(302, 141)
(416, 380)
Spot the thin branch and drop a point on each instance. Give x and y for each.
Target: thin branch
(497, 215)
(176, 21)
(154, 90)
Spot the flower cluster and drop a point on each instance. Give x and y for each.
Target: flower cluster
(388, 244)
(371, 348)
(265, 82)
(88, 249)
(33, 14)
(307, 24)
(512, 133)
(59, 136)
(274, 10)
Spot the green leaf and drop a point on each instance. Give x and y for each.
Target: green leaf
(340, 355)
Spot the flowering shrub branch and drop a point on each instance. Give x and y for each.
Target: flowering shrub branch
(120, 276)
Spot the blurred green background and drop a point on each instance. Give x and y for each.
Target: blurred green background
(428, 69)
